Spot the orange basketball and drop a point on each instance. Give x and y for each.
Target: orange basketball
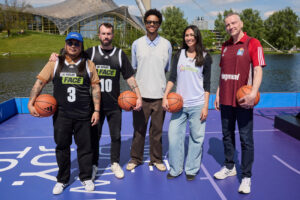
(127, 100)
(45, 105)
(175, 102)
(246, 89)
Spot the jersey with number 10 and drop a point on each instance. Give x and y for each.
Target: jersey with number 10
(109, 65)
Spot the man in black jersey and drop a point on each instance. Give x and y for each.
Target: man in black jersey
(75, 111)
(110, 62)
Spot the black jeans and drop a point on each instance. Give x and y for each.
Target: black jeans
(244, 118)
(114, 118)
(64, 128)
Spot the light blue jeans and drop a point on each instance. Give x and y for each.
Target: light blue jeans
(176, 135)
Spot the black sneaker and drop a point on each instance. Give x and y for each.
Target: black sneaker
(190, 177)
(169, 176)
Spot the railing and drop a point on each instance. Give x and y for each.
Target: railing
(267, 100)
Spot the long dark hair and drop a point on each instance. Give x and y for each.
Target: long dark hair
(81, 66)
(199, 48)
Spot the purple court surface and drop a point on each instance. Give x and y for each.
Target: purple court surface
(28, 166)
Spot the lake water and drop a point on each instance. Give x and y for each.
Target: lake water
(18, 74)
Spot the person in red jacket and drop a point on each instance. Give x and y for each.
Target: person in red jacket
(241, 63)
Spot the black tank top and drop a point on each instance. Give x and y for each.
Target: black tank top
(72, 92)
(108, 65)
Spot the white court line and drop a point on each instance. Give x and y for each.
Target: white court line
(214, 184)
(204, 178)
(127, 135)
(17, 183)
(105, 174)
(102, 199)
(286, 164)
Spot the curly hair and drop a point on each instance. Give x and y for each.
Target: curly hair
(153, 12)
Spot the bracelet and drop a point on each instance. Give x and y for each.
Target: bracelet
(96, 110)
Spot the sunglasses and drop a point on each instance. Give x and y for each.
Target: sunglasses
(152, 22)
(71, 43)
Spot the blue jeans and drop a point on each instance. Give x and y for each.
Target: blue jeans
(177, 133)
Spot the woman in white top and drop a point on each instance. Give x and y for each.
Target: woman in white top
(191, 69)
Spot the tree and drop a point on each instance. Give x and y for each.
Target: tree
(173, 25)
(298, 42)
(220, 24)
(12, 15)
(208, 38)
(253, 24)
(281, 29)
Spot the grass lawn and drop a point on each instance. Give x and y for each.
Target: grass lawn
(35, 43)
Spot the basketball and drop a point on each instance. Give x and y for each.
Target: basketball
(45, 105)
(175, 102)
(127, 100)
(246, 89)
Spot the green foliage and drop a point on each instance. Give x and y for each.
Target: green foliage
(35, 43)
(281, 29)
(253, 24)
(12, 15)
(208, 38)
(173, 25)
(298, 42)
(130, 36)
(220, 24)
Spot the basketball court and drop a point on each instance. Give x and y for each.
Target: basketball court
(28, 166)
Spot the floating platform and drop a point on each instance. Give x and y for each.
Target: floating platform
(28, 166)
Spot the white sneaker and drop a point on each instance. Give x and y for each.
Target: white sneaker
(225, 172)
(117, 170)
(59, 188)
(94, 172)
(245, 186)
(88, 185)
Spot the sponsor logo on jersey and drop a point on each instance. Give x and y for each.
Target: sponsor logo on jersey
(240, 52)
(107, 72)
(230, 76)
(102, 66)
(72, 80)
(67, 74)
(188, 68)
(104, 70)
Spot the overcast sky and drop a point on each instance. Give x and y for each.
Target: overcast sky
(202, 8)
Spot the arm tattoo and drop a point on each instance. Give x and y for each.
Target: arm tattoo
(96, 95)
(37, 88)
(132, 84)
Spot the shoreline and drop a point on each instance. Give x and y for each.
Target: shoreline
(32, 44)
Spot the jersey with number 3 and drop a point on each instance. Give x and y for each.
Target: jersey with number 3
(72, 91)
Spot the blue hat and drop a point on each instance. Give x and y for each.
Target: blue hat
(75, 36)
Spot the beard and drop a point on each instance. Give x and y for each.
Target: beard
(106, 42)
